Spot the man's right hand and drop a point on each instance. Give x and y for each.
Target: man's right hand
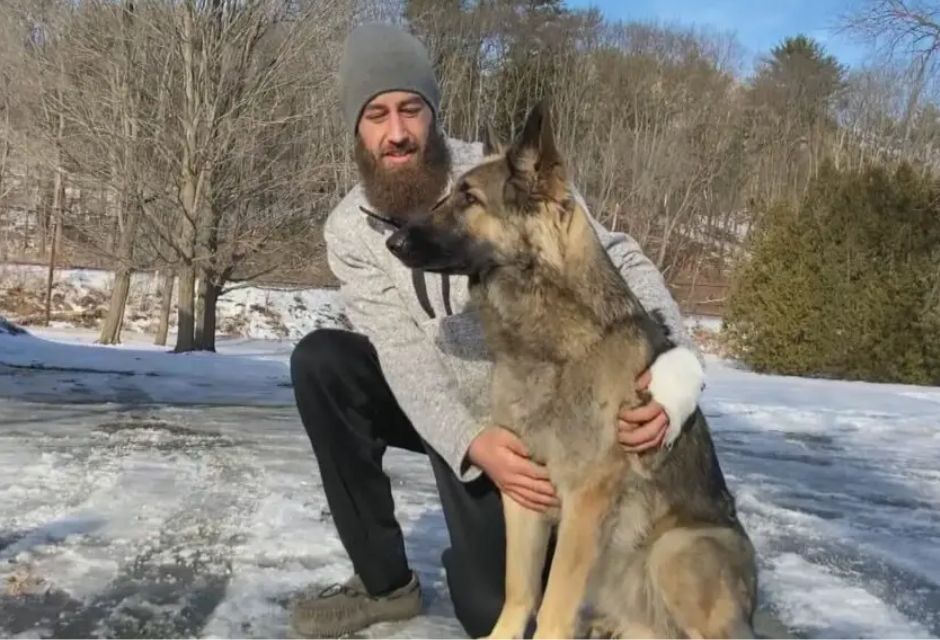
(500, 454)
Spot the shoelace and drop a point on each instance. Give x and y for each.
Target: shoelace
(340, 589)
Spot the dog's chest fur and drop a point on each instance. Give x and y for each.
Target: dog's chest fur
(560, 374)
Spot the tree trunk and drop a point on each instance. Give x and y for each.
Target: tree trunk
(190, 187)
(199, 310)
(4, 143)
(111, 328)
(58, 195)
(123, 181)
(28, 214)
(43, 216)
(185, 324)
(51, 275)
(205, 320)
(166, 304)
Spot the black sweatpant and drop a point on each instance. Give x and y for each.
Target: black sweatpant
(351, 417)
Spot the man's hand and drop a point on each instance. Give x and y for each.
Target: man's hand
(644, 427)
(502, 456)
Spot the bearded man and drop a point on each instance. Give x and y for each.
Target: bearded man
(413, 374)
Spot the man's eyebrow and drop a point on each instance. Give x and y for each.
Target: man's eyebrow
(410, 102)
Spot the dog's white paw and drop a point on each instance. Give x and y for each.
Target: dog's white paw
(677, 380)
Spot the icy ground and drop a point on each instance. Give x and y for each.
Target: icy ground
(149, 494)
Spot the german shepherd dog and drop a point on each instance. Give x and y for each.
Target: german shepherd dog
(648, 545)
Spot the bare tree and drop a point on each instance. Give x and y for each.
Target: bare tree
(249, 75)
(49, 25)
(905, 29)
(201, 138)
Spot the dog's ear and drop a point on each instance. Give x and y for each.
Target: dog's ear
(534, 158)
(492, 145)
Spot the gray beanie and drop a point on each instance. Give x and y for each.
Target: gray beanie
(379, 58)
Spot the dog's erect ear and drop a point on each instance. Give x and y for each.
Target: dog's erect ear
(534, 158)
(492, 145)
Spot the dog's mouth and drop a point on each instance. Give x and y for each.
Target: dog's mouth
(418, 249)
(433, 262)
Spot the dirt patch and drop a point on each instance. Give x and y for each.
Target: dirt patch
(151, 425)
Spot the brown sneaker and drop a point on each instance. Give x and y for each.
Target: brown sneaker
(346, 608)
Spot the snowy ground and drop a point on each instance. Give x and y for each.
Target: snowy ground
(265, 313)
(149, 494)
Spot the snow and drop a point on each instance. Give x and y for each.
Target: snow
(703, 323)
(250, 372)
(265, 313)
(144, 493)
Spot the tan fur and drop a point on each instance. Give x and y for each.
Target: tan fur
(575, 554)
(527, 545)
(648, 543)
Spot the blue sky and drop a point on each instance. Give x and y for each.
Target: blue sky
(759, 24)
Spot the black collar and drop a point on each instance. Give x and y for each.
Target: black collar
(389, 221)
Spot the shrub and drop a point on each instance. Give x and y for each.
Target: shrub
(847, 284)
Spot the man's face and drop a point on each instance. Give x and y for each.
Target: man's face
(394, 128)
(402, 157)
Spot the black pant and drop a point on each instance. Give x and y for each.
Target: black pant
(351, 416)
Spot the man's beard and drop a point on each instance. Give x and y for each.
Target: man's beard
(412, 189)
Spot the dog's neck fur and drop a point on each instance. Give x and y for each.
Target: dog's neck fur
(583, 282)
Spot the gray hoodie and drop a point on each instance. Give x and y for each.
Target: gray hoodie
(438, 367)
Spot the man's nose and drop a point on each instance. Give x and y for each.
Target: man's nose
(397, 133)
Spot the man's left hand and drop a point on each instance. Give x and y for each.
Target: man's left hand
(644, 427)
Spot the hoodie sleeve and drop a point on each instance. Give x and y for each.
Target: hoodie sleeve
(423, 385)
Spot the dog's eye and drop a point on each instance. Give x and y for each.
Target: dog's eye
(469, 199)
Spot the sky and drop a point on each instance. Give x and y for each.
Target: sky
(758, 25)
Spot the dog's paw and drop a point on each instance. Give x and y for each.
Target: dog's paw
(500, 634)
(677, 380)
(512, 623)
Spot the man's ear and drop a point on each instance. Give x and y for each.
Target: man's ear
(534, 159)
(492, 145)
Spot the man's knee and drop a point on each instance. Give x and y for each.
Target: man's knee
(322, 353)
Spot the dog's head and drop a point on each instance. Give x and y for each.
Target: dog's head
(510, 210)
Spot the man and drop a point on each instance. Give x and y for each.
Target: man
(414, 374)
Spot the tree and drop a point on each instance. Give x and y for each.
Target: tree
(247, 139)
(801, 79)
(791, 116)
(845, 284)
(908, 30)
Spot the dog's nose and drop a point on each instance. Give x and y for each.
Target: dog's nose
(397, 243)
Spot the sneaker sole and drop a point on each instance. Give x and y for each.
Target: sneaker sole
(339, 632)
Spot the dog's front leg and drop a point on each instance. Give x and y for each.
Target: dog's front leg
(527, 534)
(575, 554)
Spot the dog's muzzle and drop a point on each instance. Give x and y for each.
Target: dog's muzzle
(398, 243)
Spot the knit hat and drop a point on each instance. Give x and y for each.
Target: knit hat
(379, 58)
